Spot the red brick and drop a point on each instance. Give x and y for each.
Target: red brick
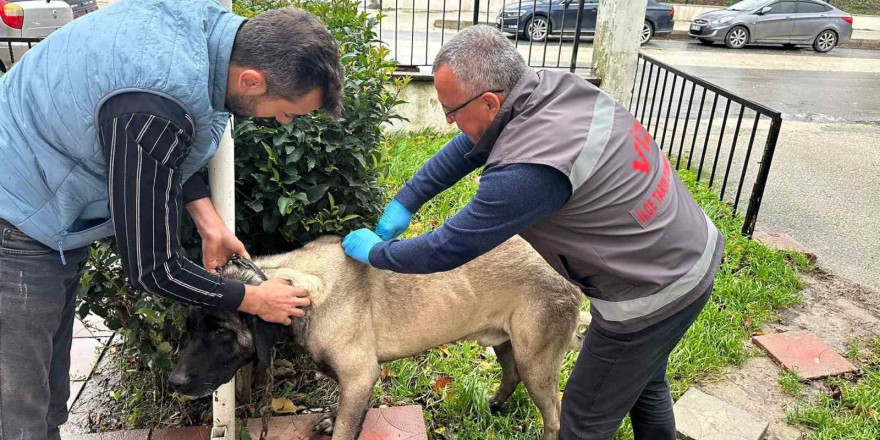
(193, 433)
(397, 423)
(783, 242)
(803, 353)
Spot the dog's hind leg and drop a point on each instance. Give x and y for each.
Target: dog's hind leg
(542, 382)
(509, 376)
(356, 380)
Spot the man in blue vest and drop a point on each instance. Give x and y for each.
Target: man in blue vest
(103, 127)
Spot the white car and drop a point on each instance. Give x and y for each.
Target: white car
(20, 19)
(32, 18)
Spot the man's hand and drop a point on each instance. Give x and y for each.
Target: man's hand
(394, 221)
(219, 244)
(217, 249)
(357, 244)
(275, 301)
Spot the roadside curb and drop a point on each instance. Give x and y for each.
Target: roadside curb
(675, 35)
(851, 44)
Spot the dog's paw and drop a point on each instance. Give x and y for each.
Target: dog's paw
(495, 406)
(324, 425)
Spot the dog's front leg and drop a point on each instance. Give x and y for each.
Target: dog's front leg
(356, 380)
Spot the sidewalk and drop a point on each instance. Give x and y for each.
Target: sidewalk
(90, 342)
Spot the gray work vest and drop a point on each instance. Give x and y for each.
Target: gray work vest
(631, 236)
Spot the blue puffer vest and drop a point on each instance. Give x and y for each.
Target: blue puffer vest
(53, 178)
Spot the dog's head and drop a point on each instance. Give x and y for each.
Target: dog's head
(217, 342)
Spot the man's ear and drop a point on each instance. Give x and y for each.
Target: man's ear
(265, 335)
(252, 82)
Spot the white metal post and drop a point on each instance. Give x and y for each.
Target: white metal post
(221, 175)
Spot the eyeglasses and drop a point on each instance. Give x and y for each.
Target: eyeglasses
(449, 113)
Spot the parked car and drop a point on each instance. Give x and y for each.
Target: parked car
(537, 20)
(787, 22)
(32, 18)
(82, 7)
(28, 19)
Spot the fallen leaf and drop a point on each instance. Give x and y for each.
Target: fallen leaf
(441, 430)
(870, 412)
(758, 333)
(444, 350)
(283, 405)
(442, 382)
(283, 363)
(384, 373)
(748, 322)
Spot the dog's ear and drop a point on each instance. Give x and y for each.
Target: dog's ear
(264, 335)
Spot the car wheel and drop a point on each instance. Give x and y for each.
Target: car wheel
(705, 41)
(647, 32)
(826, 41)
(737, 38)
(538, 28)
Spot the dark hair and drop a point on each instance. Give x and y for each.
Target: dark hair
(296, 54)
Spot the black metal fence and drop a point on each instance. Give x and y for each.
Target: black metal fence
(12, 49)
(728, 140)
(700, 125)
(414, 30)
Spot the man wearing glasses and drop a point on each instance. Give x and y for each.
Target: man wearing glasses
(577, 176)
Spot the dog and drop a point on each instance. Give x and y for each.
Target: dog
(509, 299)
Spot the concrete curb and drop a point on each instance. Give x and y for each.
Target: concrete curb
(851, 44)
(675, 35)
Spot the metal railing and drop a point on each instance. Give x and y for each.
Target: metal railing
(15, 47)
(696, 137)
(414, 30)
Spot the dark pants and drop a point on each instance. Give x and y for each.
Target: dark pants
(37, 296)
(616, 374)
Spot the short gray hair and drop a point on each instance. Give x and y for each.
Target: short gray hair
(483, 59)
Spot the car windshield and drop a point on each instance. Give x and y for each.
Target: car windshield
(747, 5)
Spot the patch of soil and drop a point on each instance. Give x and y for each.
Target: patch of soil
(836, 310)
(96, 410)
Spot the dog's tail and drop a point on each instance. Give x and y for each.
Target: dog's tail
(580, 332)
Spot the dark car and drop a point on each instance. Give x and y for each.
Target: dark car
(82, 7)
(538, 19)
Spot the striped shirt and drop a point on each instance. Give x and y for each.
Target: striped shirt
(145, 139)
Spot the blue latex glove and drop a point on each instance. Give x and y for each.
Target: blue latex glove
(357, 244)
(394, 221)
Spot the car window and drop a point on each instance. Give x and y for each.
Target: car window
(782, 8)
(811, 8)
(747, 5)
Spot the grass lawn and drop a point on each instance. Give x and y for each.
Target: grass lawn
(454, 382)
(852, 409)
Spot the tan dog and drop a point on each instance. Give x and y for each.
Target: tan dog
(509, 299)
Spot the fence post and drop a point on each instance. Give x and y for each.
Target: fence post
(221, 176)
(761, 180)
(577, 36)
(476, 12)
